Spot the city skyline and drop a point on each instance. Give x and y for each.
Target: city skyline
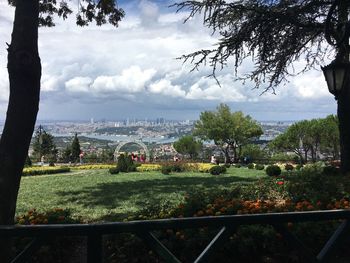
(132, 71)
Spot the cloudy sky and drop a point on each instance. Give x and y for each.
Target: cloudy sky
(132, 71)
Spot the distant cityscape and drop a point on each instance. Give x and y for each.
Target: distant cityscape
(152, 130)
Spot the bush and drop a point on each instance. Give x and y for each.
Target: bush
(237, 165)
(166, 170)
(250, 166)
(122, 165)
(259, 167)
(288, 167)
(331, 170)
(132, 168)
(217, 169)
(273, 170)
(114, 170)
(313, 168)
(44, 170)
(298, 167)
(28, 162)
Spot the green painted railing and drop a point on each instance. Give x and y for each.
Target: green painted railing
(227, 224)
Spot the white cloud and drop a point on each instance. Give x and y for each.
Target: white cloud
(165, 87)
(137, 62)
(208, 89)
(78, 84)
(311, 86)
(131, 80)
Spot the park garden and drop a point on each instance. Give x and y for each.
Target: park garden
(148, 191)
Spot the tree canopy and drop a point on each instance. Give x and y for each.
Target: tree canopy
(188, 145)
(309, 138)
(87, 11)
(228, 130)
(273, 33)
(43, 145)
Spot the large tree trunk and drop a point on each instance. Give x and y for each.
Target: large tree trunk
(344, 128)
(24, 70)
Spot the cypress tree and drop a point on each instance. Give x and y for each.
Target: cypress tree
(75, 149)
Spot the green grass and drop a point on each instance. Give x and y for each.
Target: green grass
(95, 195)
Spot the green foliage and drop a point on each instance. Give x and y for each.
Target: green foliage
(166, 169)
(66, 155)
(254, 152)
(273, 170)
(313, 168)
(28, 162)
(113, 170)
(188, 145)
(217, 169)
(310, 136)
(75, 149)
(259, 167)
(44, 170)
(43, 145)
(250, 166)
(298, 167)
(331, 170)
(123, 163)
(288, 167)
(282, 157)
(227, 129)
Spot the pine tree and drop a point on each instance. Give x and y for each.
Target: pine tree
(75, 149)
(44, 145)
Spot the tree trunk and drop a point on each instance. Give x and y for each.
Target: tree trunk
(24, 70)
(344, 129)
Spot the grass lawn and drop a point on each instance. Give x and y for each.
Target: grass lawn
(95, 195)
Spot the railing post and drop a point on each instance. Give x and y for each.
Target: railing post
(94, 248)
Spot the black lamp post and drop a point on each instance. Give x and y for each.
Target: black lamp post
(337, 32)
(337, 76)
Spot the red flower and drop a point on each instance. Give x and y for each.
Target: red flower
(280, 182)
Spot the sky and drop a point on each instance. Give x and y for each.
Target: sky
(132, 72)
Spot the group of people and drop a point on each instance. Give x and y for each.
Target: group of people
(136, 158)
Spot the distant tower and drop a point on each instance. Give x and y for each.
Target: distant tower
(92, 120)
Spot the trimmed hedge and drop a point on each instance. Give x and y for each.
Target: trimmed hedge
(44, 170)
(217, 169)
(273, 170)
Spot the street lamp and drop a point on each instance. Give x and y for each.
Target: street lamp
(336, 75)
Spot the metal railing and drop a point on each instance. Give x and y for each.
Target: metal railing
(143, 229)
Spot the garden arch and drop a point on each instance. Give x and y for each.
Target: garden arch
(144, 147)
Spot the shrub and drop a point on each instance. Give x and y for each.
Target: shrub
(259, 167)
(298, 167)
(273, 170)
(288, 167)
(44, 170)
(93, 166)
(132, 168)
(250, 166)
(122, 164)
(149, 167)
(217, 169)
(237, 165)
(28, 162)
(113, 170)
(178, 167)
(313, 168)
(166, 169)
(331, 170)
